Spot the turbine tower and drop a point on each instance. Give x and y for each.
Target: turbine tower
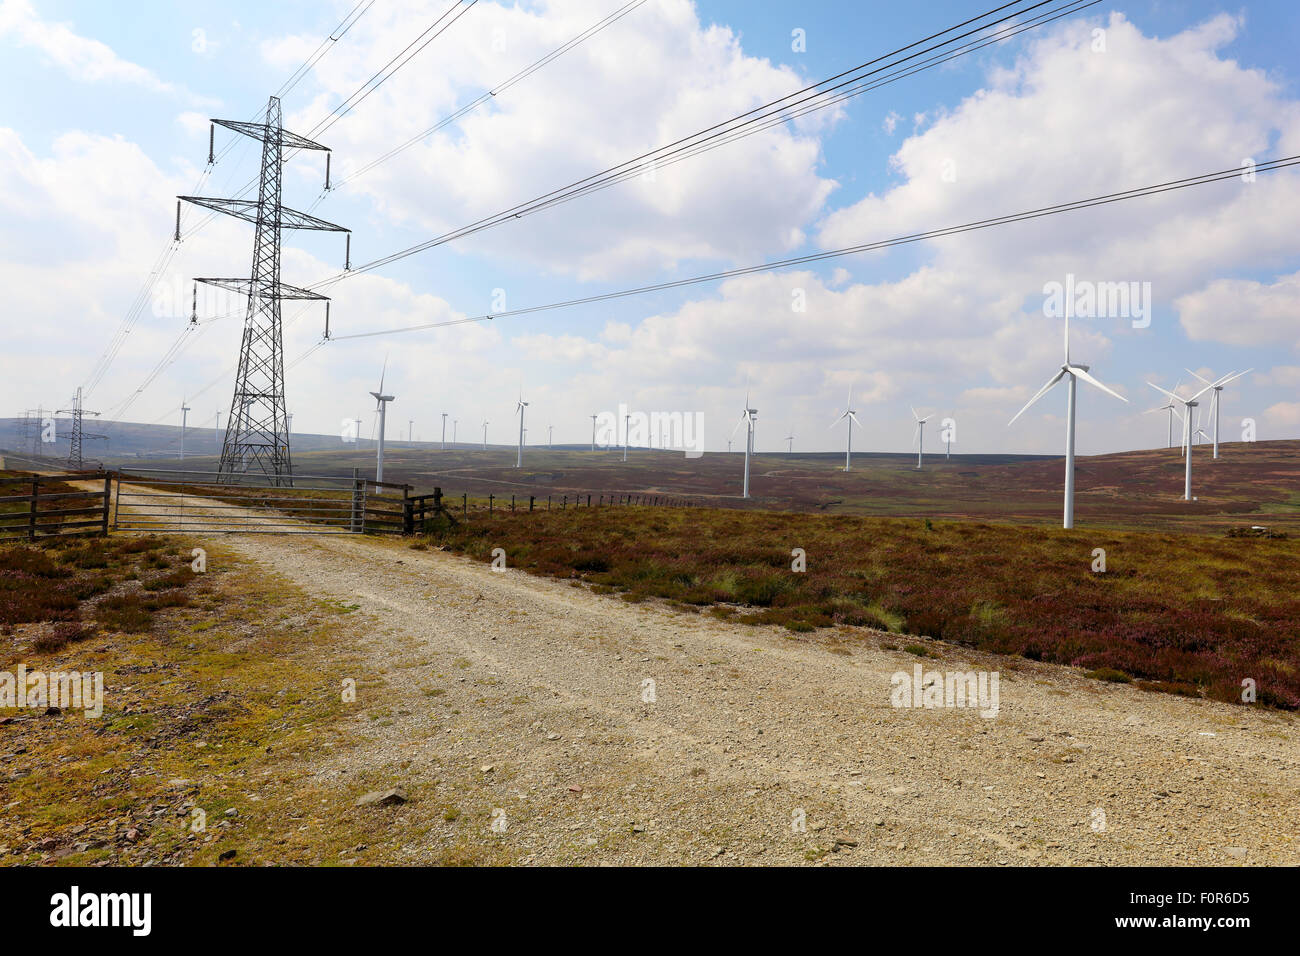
(1216, 398)
(520, 407)
(790, 448)
(381, 405)
(444, 431)
(485, 425)
(593, 432)
(851, 417)
(185, 414)
(1074, 373)
(1188, 404)
(257, 435)
(918, 437)
(627, 419)
(1172, 408)
(748, 417)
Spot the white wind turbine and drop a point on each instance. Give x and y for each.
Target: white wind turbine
(851, 417)
(485, 425)
(381, 404)
(748, 417)
(1188, 404)
(1074, 373)
(918, 439)
(1172, 408)
(790, 438)
(1200, 432)
(1217, 397)
(520, 406)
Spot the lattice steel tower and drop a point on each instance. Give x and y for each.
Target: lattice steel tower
(75, 460)
(257, 434)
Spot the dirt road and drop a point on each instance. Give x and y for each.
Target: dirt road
(500, 699)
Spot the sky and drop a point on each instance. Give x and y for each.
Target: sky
(104, 120)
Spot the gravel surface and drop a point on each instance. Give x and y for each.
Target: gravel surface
(523, 701)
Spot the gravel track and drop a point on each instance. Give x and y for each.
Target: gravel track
(539, 719)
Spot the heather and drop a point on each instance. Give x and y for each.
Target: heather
(1190, 614)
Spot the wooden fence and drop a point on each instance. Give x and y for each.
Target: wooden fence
(49, 505)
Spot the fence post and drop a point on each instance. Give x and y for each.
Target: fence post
(548, 502)
(564, 503)
(491, 498)
(588, 501)
(437, 501)
(512, 504)
(356, 496)
(408, 516)
(531, 499)
(464, 500)
(31, 518)
(108, 492)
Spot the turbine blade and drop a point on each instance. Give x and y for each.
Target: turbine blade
(1165, 391)
(855, 419)
(1233, 377)
(1096, 384)
(382, 374)
(1041, 392)
(1195, 376)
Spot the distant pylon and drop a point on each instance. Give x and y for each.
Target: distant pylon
(75, 438)
(257, 433)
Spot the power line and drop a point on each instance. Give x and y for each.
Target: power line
(1264, 167)
(768, 111)
(495, 91)
(769, 115)
(362, 92)
(347, 105)
(171, 249)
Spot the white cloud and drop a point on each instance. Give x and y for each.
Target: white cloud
(1284, 413)
(655, 76)
(1243, 312)
(80, 57)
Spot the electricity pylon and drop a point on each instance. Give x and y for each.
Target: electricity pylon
(75, 461)
(257, 433)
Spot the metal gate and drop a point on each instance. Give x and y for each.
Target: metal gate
(171, 501)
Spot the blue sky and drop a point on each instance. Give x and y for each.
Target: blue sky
(104, 122)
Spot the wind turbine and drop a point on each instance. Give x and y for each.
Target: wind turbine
(918, 439)
(790, 439)
(627, 419)
(1172, 407)
(444, 431)
(1188, 404)
(748, 417)
(550, 437)
(519, 410)
(381, 404)
(1074, 373)
(851, 417)
(1216, 398)
(185, 412)
(485, 425)
(1200, 432)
